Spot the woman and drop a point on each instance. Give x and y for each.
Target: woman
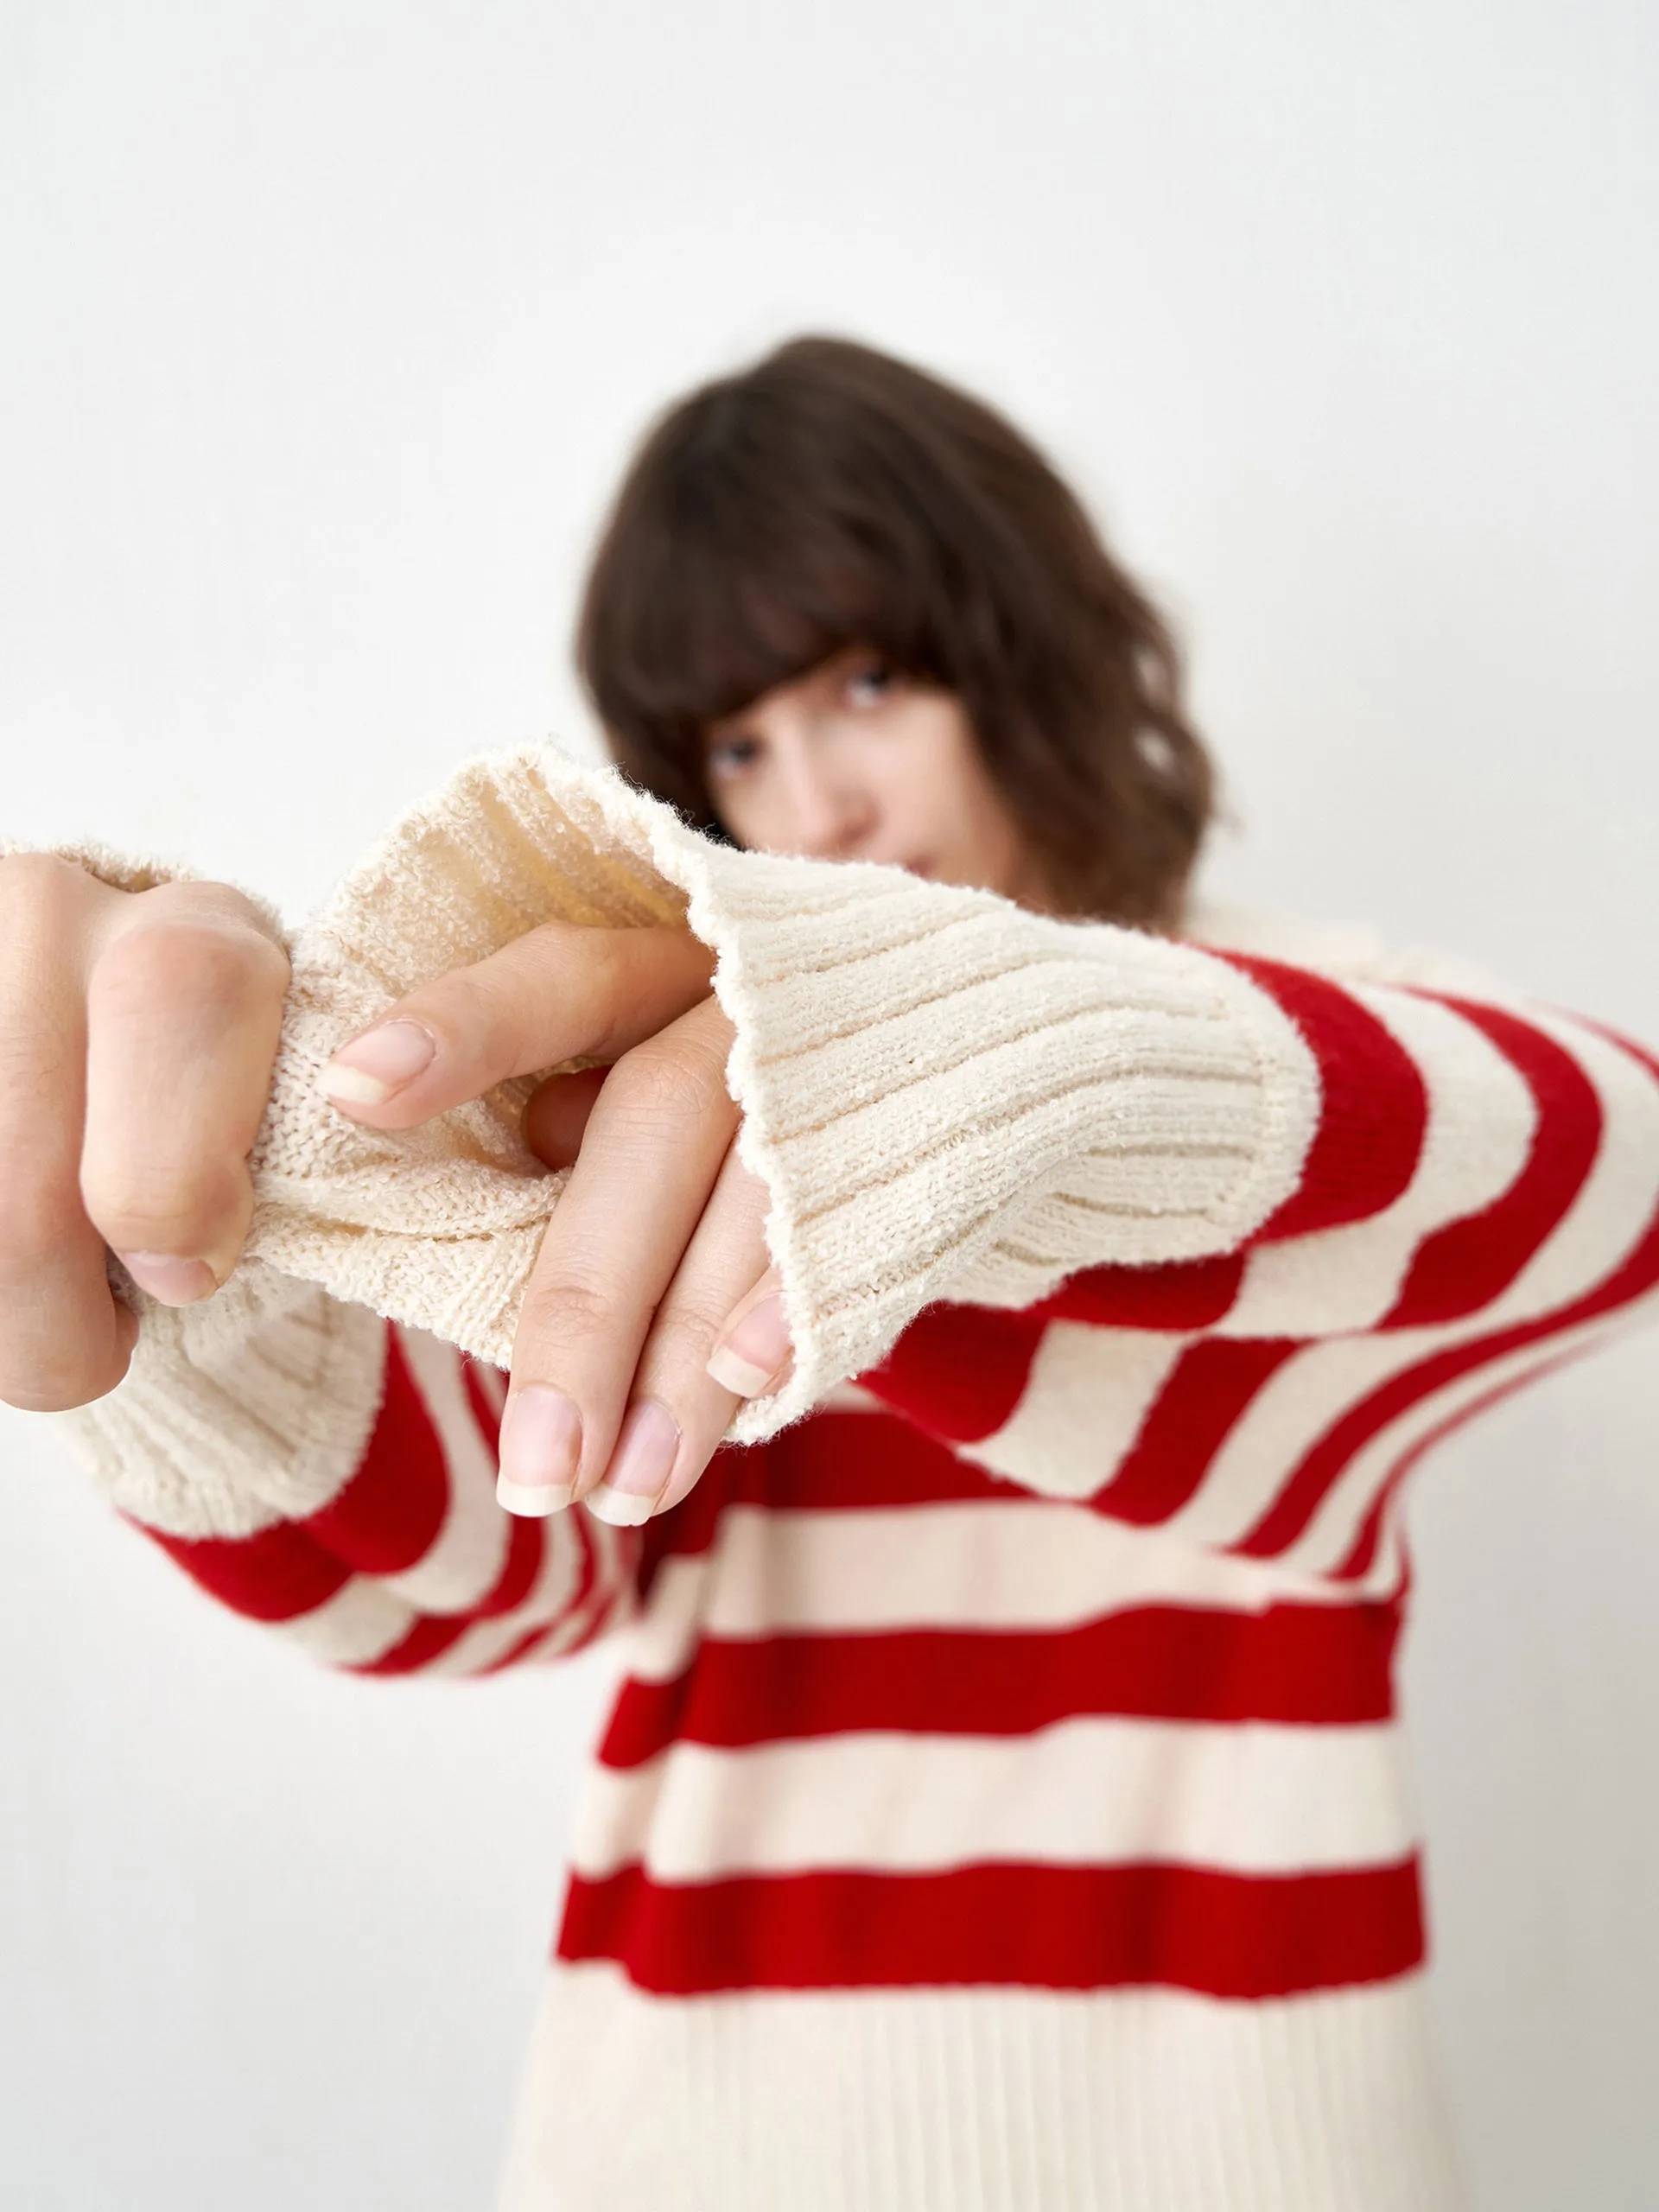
(1003, 1805)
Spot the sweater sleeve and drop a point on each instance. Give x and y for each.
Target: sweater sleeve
(1068, 1158)
(330, 1475)
(1271, 1401)
(956, 1103)
(328, 1472)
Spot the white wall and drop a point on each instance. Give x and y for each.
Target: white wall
(326, 325)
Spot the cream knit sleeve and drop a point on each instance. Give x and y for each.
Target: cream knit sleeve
(948, 1097)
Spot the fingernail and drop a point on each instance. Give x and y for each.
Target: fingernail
(174, 1281)
(757, 1348)
(641, 1463)
(366, 1072)
(541, 1442)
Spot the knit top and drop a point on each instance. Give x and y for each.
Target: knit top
(1003, 1808)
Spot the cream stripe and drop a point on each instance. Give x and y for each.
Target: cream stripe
(360, 1623)
(1617, 1203)
(1250, 1797)
(1088, 1393)
(1330, 1535)
(485, 1640)
(1002, 1564)
(1319, 1384)
(1482, 1118)
(464, 1562)
(1286, 1418)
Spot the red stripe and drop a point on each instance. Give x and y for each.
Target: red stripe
(959, 1371)
(1359, 1560)
(855, 1460)
(1233, 1935)
(521, 1649)
(431, 1636)
(1469, 1263)
(1373, 1111)
(388, 1513)
(1209, 1389)
(834, 1461)
(526, 1548)
(1176, 1295)
(1311, 1665)
(1293, 1509)
(274, 1575)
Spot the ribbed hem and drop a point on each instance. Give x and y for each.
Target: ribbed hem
(250, 1408)
(980, 2101)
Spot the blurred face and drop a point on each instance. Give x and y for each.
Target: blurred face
(855, 761)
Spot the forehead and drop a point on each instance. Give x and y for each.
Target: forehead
(796, 690)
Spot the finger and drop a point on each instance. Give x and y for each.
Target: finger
(753, 1353)
(64, 1338)
(556, 1116)
(561, 992)
(679, 1411)
(650, 1156)
(183, 1020)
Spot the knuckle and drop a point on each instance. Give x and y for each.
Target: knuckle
(138, 1205)
(684, 1336)
(185, 959)
(670, 1079)
(572, 1310)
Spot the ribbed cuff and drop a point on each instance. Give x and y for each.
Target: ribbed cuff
(252, 1407)
(946, 1095)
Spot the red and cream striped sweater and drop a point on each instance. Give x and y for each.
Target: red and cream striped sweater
(1003, 1808)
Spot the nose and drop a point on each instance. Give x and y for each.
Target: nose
(827, 813)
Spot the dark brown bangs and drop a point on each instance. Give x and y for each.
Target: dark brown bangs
(832, 495)
(736, 561)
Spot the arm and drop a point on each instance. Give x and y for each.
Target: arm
(1271, 1401)
(953, 1102)
(331, 1475)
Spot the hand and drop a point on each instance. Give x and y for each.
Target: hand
(655, 1260)
(140, 1035)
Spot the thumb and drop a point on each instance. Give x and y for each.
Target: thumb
(561, 992)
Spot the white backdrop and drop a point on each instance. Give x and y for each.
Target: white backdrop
(326, 325)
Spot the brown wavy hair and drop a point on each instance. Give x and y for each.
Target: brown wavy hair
(829, 496)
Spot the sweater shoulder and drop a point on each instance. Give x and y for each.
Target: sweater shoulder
(1348, 951)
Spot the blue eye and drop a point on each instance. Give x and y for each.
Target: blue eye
(875, 680)
(729, 756)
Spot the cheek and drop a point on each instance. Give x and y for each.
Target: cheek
(741, 812)
(977, 833)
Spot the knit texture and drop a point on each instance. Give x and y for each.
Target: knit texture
(1004, 1806)
(948, 1097)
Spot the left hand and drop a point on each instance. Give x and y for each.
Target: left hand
(655, 1258)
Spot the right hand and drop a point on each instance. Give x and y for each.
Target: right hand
(138, 1036)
